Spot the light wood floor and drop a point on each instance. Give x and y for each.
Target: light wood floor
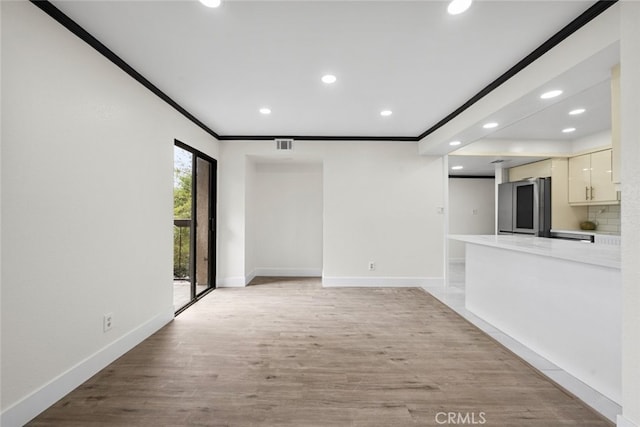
(290, 353)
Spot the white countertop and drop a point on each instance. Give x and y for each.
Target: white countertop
(587, 253)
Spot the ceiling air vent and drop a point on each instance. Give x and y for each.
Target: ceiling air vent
(284, 144)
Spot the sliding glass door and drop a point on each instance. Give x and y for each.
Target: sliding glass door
(194, 207)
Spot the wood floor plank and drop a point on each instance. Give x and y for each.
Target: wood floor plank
(286, 352)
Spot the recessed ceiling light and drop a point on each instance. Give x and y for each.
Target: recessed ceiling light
(265, 110)
(551, 94)
(490, 125)
(386, 113)
(211, 3)
(568, 130)
(457, 168)
(454, 143)
(458, 6)
(577, 111)
(329, 78)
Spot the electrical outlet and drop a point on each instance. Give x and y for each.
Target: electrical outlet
(107, 322)
(474, 211)
(372, 265)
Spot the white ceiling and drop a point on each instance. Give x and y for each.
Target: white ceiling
(223, 64)
(548, 123)
(587, 85)
(531, 125)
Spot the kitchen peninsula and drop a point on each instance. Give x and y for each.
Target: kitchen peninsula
(560, 298)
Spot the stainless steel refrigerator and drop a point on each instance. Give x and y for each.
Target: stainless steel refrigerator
(524, 207)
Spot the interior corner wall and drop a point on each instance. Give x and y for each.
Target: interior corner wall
(380, 204)
(251, 182)
(471, 211)
(232, 197)
(87, 178)
(284, 218)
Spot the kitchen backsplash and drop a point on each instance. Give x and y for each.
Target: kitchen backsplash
(607, 218)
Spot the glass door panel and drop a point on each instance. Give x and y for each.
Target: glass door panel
(182, 209)
(194, 205)
(203, 208)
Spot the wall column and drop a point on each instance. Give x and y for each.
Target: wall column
(630, 151)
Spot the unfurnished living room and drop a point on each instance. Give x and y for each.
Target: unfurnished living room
(320, 213)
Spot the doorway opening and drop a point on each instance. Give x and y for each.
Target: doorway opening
(284, 218)
(194, 231)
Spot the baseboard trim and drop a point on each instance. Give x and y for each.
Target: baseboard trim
(623, 421)
(29, 407)
(385, 282)
(249, 277)
(288, 272)
(231, 282)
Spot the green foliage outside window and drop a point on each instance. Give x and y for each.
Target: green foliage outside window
(181, 210)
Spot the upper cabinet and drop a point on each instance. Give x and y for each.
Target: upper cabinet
(579, 178)
(590, 179)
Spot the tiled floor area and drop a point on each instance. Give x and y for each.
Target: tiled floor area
(453, 295)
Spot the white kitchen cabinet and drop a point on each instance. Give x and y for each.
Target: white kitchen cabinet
(579, 178)
(590, 179)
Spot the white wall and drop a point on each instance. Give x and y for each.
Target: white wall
(516, 147)
(592, 142)
(87, 169)
(232, 201)
(379, 204)
(251, 218)
(471, 211)
(630, 146)
(285, 217)
(537, 148)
